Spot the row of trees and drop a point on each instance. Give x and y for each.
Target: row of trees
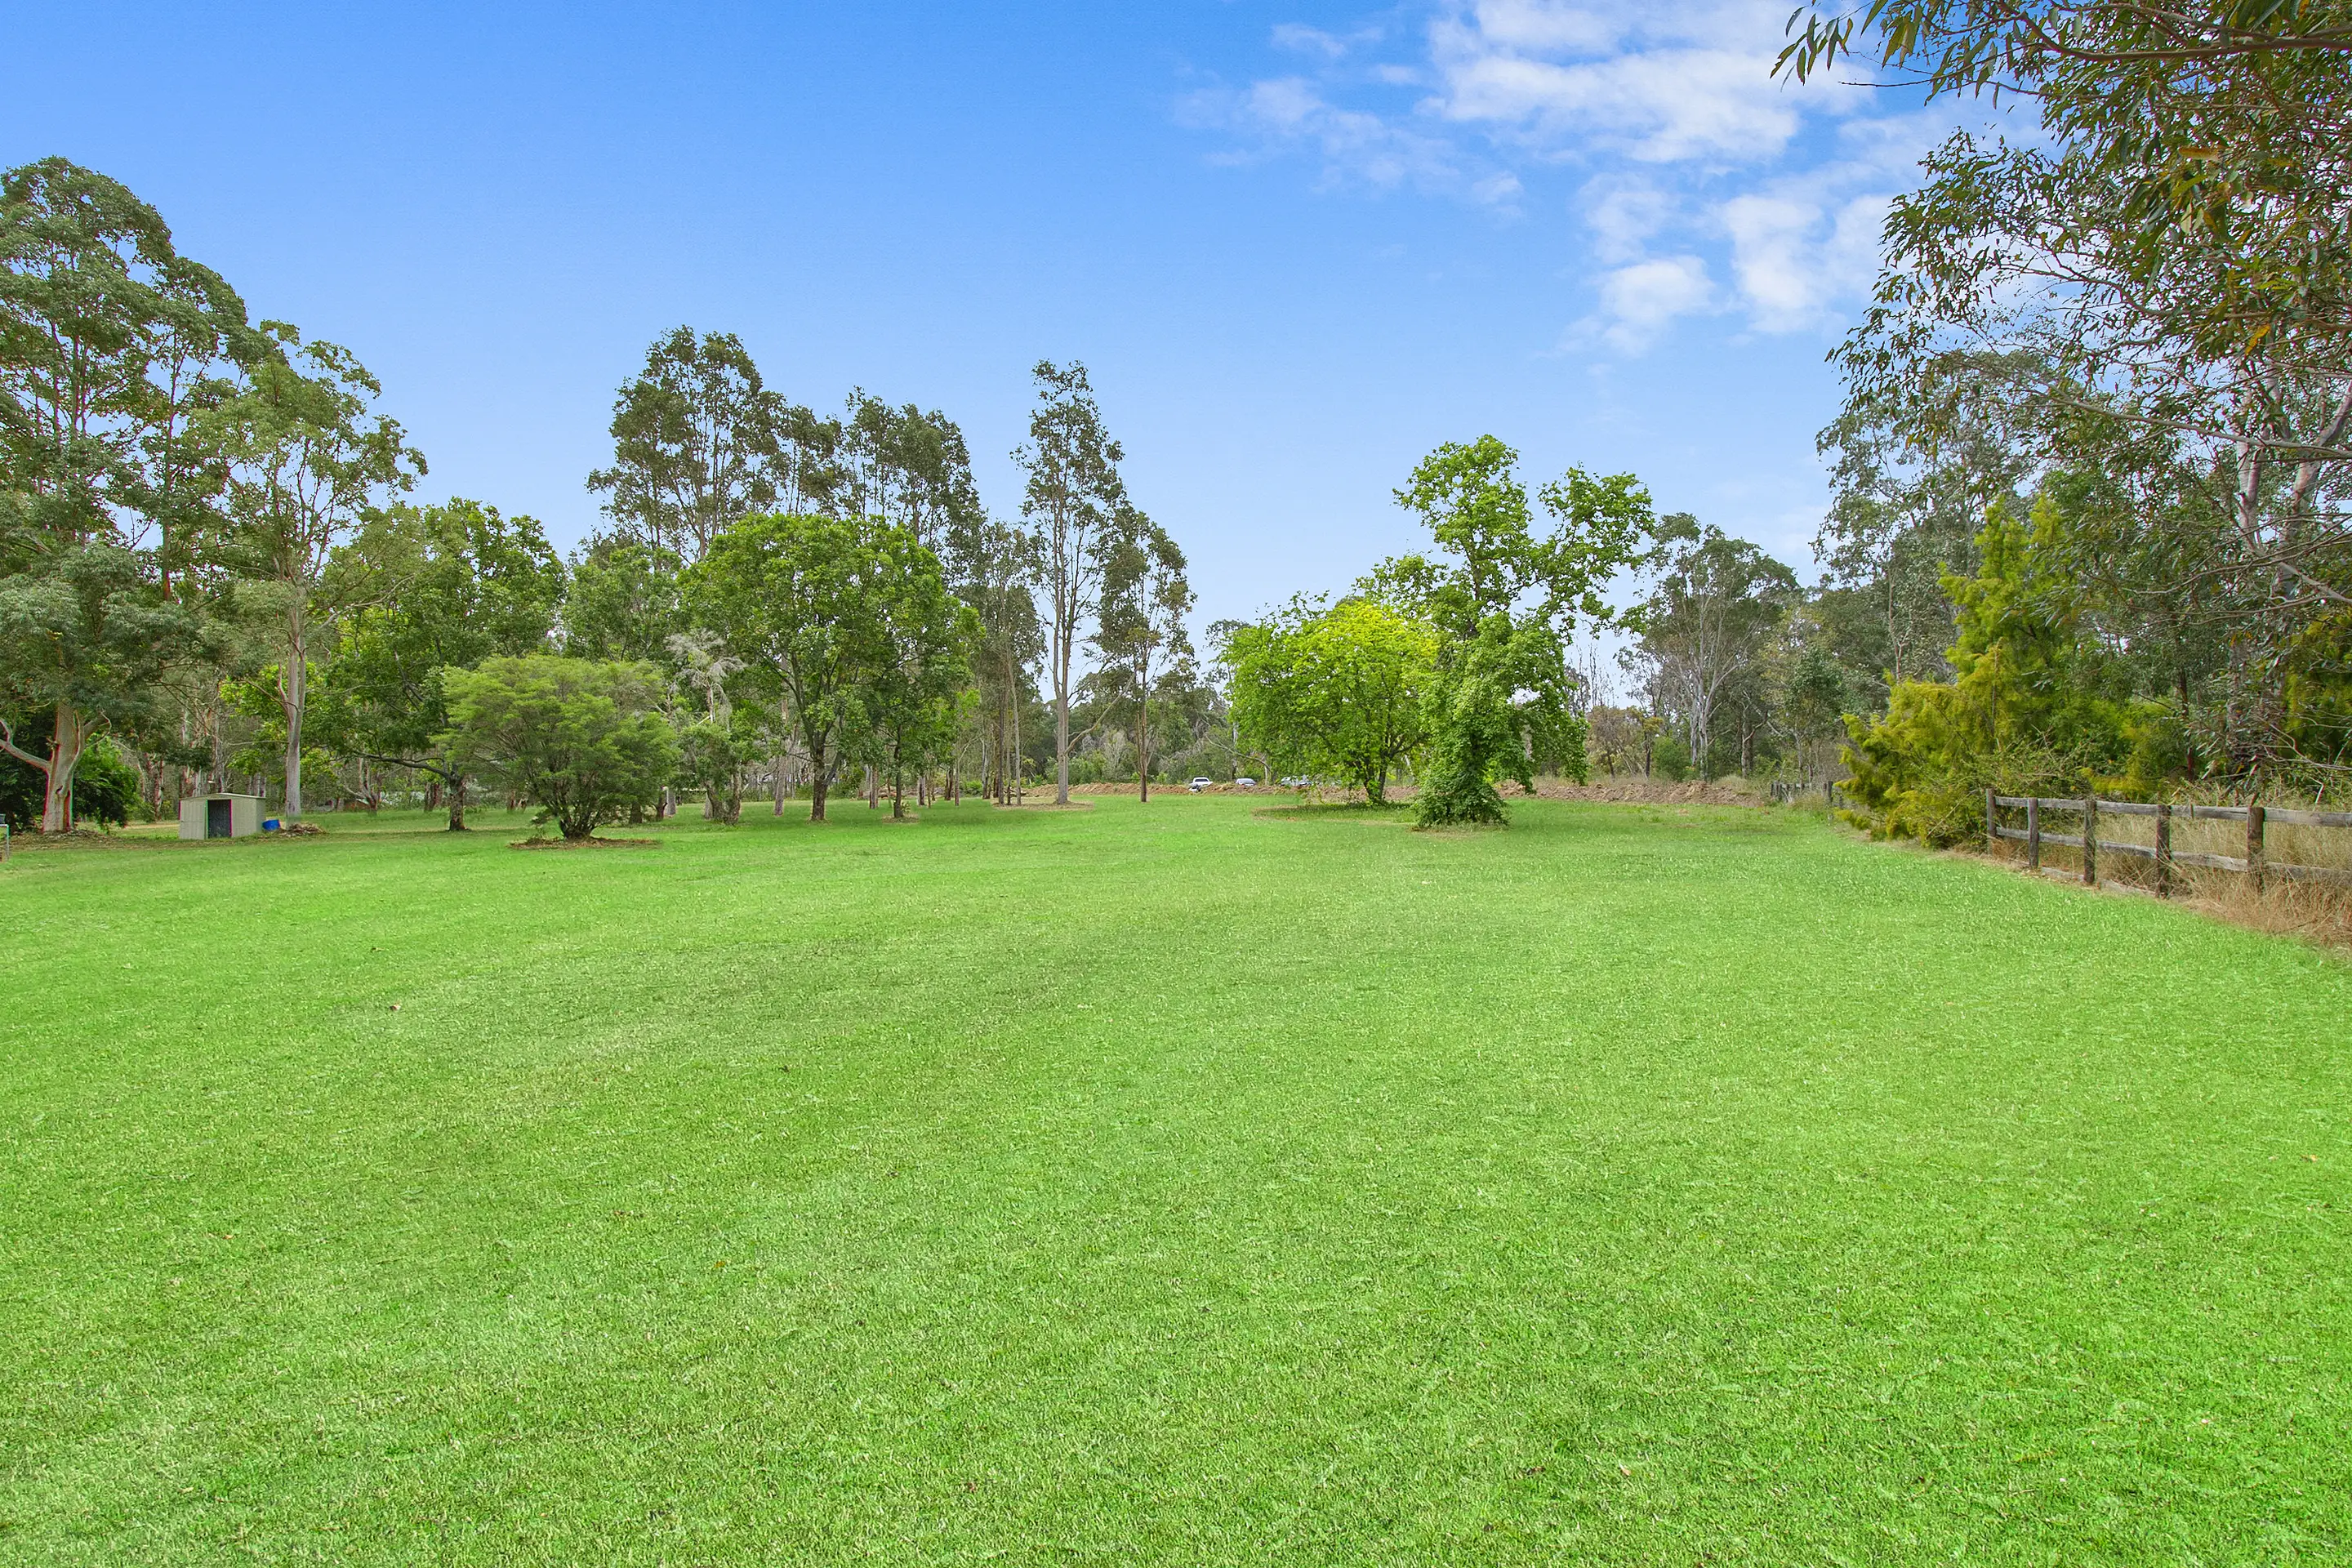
(209, 569)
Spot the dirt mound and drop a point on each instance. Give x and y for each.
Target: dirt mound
(1648, 791)
(583, 843)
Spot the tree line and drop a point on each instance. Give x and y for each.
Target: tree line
(212, 571)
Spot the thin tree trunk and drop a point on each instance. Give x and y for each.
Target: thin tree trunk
(293, 689)
(1062, 731)
(457, 798)
(816, 782)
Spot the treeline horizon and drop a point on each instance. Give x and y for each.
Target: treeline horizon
(2090, 526)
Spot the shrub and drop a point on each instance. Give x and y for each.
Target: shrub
(583, 741)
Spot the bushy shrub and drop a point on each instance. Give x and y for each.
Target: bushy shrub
(583, 741)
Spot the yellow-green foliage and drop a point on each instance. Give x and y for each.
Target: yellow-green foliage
(2028, 708)
(1339, 691)
(2319, 691)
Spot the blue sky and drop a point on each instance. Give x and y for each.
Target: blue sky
(1298, 245)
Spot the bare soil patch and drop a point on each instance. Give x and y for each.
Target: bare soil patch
(590, 843)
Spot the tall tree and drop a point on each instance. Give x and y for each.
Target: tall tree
(108, 338)
(993, 566)
(2163, 275)
(1141, 633)
(923, 639)
(1716, 604)
(307, 461)
(1073, 496)
(1508, 599)
(699, 441)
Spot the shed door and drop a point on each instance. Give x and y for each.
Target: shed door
(218, 822)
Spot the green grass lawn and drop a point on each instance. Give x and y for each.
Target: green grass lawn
(1167, 1183)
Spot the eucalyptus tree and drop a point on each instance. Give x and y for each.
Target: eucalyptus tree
(307, 462)
(1072, 500)
(908, 468)
(1706, 622)
(427, 590)
(699, 442)
(2170, 260)
(993, 567)
(109, 341)
(1140, 633)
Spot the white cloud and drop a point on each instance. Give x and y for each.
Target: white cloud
(1308, 40)
(1641, 299)
(1623, 214)
(1703, 190)
(1543, 26)
(1661, 107)
(1285, 112)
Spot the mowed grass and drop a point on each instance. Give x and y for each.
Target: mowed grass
(1174, 1184)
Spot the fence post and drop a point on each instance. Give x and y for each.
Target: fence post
(2090, 841)
(2033, 834)
(2163, 851)
(2254, 848)
(1992, 826)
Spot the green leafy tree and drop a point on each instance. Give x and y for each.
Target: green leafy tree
(431, 589)
(798, 600)
(307, 462)
(1496, 706)
(923, 636)
(1341, 692)
(624, 602)
(2032, 708)
(84, 643)
(583, 741)
(109, 340)
(1506, 600)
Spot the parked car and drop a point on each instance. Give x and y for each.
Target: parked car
(1200, 784)
(1246, 782)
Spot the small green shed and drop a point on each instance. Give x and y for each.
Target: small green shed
(220, 816)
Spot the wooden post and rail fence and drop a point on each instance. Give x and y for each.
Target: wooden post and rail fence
(2255, 863)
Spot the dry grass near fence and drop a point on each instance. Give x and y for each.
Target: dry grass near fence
(2314, 910)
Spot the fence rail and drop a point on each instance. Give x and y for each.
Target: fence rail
(2255, 862)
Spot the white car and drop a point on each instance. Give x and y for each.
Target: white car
(1200, 784)
(1246, 782)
